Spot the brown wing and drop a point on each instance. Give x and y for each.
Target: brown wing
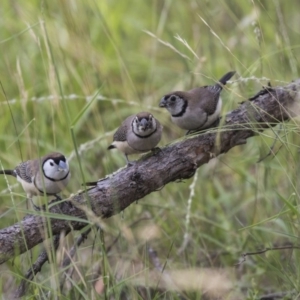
(25, 171)
(121, 134)
(207, 96)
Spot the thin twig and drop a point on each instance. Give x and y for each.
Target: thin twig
(272, 147)
(244, 255)
(34, 269)
(279, 295)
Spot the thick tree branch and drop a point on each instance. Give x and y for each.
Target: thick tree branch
(176, 161)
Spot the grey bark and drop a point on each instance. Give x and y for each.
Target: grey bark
(174, 162)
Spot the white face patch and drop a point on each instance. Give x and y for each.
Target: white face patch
(144, 127)
(55, 171)
(174, 104)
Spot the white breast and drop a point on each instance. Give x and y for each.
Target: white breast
(28, 187)
(196, 118)
(124, 147)
(192, 119)
(54, 187)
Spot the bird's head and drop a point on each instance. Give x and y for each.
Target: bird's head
(175, 103)
(55, 166)
(143, 124)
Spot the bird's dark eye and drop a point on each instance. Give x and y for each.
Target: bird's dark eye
(173, 98)
(51, 164)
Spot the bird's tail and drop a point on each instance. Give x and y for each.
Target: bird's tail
(225, 78)
(8, 172)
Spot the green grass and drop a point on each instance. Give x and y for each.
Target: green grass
(73, 70)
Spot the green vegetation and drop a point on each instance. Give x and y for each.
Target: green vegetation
(78, 68)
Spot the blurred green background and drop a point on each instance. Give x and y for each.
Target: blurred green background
(117, 58)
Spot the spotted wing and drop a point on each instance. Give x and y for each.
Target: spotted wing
(24, 171)
(215, 91)
(121, 134)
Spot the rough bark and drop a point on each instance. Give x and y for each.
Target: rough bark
(174, 162)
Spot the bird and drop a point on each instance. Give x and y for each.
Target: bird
(48, 175)
(137, 134)
(198, 108)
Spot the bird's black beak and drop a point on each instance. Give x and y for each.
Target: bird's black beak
(144, 123)
(62, 165)
(162, 102)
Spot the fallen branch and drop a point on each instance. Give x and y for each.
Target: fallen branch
(174, 162)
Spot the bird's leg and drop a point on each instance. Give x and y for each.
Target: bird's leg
(29, 198)
(57, 198)
(129, 163)
(35, 207)
(193, 131)
(155, 150)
